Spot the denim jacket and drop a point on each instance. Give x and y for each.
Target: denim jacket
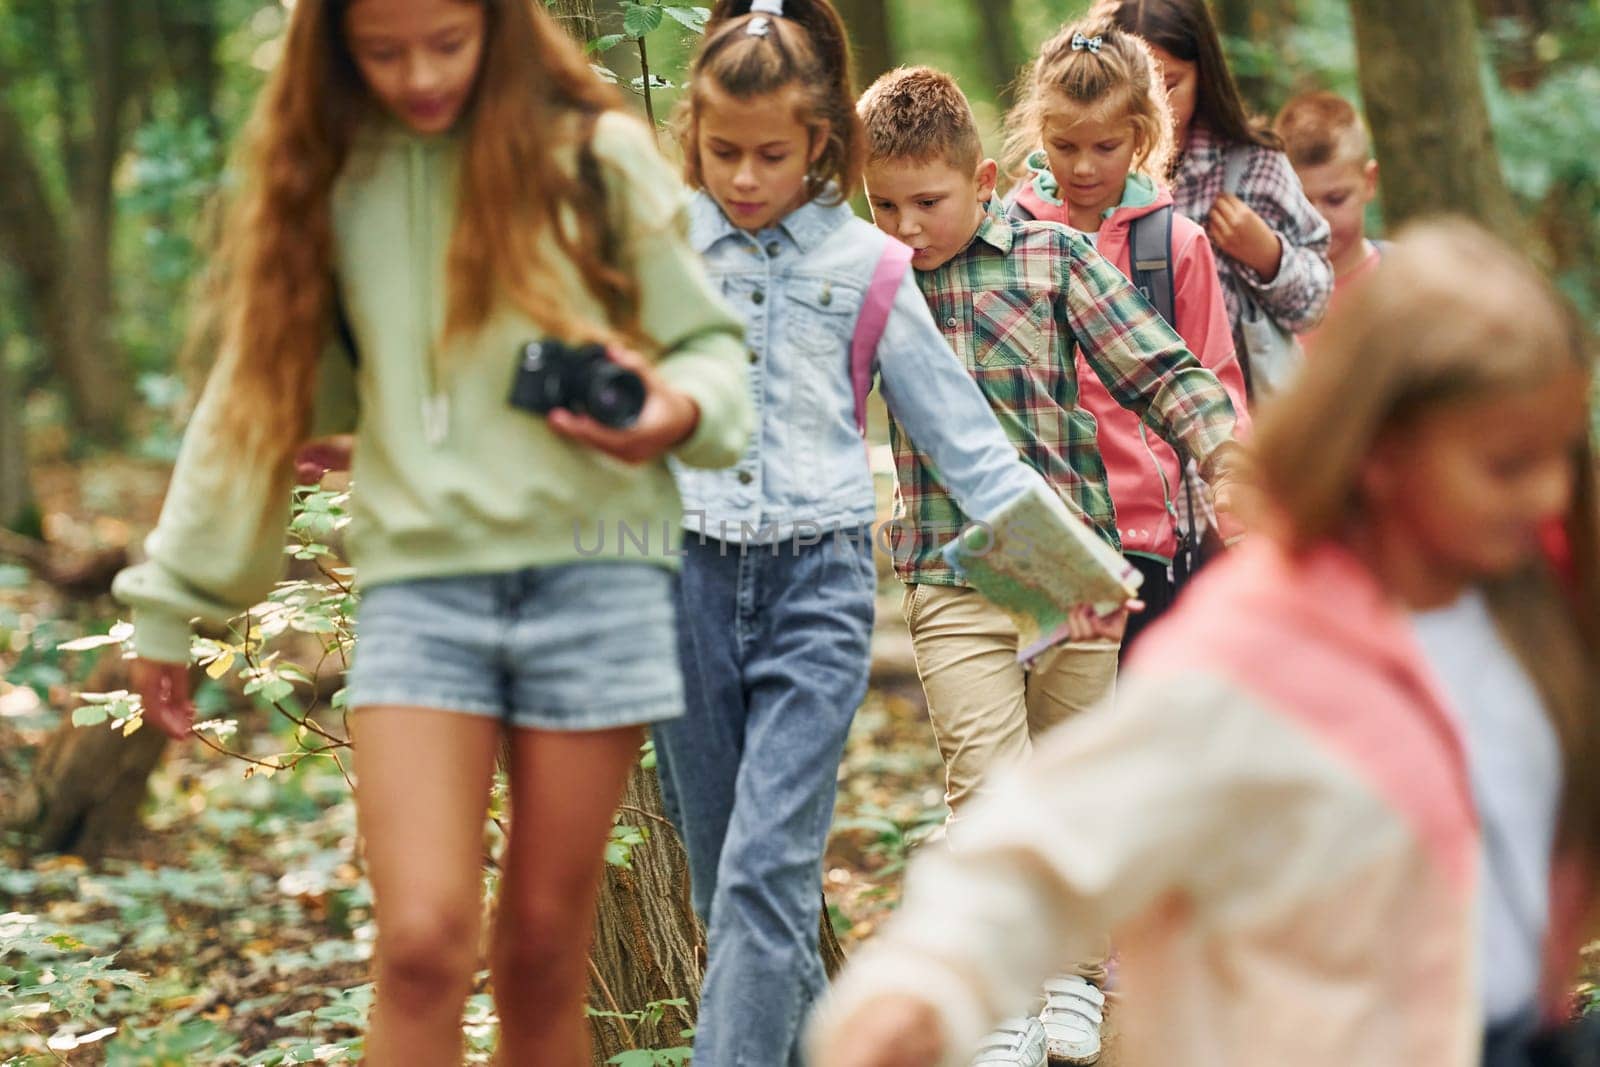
(799, 286)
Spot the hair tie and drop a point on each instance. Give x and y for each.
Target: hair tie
(759, 26)
(1080, 43)
(767, 7)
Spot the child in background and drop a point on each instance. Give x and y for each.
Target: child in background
(1328, 144)
(452, 170)
(1024, 306)
(1232, 177)
(778, 587)
(1278, 816)
(1094, 100)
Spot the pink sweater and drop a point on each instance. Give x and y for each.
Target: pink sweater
(1275, 822)
(1142, 470)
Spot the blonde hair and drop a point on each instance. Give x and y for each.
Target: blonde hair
(1119, 78)
(1453, 315)
(918, 114)
(807, 46)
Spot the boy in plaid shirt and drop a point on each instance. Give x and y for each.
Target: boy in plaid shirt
(1027, 307)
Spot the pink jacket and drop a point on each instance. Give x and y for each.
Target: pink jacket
(1145, 479)
(1274, 822)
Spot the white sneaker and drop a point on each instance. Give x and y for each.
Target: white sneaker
(1014, 1043)
(1073, 1012)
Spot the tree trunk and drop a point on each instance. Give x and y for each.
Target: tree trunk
(101, 388)
(648, 944)
(188, 36)
(1003, 56)
(31, 237)
(1434, 159)
(65, 267)
(1260, 22)
(871, 37)
(17, 508)
(86, 790)
(578, 16)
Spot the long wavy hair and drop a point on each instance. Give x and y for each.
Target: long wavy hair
(270, 300)
(1426, 333)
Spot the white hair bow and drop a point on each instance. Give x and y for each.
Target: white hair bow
(1080, 43)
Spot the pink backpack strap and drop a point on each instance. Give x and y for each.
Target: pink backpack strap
(875, 308)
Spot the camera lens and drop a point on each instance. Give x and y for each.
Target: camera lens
(616, 395)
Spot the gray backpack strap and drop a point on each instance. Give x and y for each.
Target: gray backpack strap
(1236, 162)
(1019, 211)
(1150, 256)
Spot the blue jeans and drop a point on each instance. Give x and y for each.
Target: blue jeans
(775, 643)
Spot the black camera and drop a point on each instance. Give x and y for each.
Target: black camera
(580, 378)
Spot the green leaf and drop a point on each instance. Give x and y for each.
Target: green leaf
(91, 715)
(692, 19)
(606, 43)
(639, 20)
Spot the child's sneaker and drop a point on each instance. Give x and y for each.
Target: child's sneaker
(1073, 1012)
(1014, 1043)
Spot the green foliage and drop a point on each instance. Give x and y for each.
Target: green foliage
(650, 1017)
(891, 839)
(257, 658)
(48, 969)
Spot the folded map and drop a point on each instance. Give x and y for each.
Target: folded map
(1037, 560)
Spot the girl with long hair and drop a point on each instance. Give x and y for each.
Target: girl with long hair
(433, 193)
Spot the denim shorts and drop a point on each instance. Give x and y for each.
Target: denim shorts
(583, 646)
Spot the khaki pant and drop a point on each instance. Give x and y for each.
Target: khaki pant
(986, 708)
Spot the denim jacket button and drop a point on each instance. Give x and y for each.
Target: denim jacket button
(745, 477)
(827, 296)
(773, 248)
(755, 357)
(758, 297)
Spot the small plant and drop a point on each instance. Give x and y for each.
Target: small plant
(649, 1017)
(641, 18)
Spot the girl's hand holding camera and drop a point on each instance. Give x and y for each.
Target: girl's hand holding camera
(667, 419)
(1237, 230)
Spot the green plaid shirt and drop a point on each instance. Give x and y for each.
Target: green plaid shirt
(1024, 305)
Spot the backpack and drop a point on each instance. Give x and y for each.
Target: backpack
(1150, 263)
(1269, 355)
(1149, 254)
(893, 262)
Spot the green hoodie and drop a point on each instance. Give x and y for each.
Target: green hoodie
(470, 485)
